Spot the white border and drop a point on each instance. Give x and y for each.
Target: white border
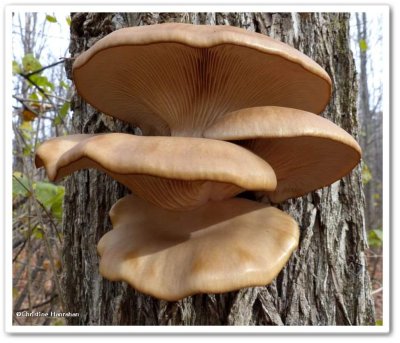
(233, 6)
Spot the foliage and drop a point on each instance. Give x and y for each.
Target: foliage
(41, 110)
(375, 238)
(51, 18)
(365, 173)
(30, 63)
(20, 185)
(51, 196)
(47, 194)
(363, 45)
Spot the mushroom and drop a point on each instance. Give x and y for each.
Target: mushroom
(208, 84)
(177, 79)
(219, 247)
(306, 151)
(176, 173)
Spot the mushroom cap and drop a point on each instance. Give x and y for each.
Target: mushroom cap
(216, 248)
(176, 79)
(172, 172)
(307, 152)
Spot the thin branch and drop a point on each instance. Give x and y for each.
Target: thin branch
(377, 291)
(41, 69)
(40, 89)
(40, 269)
(20, 250)
(16, 319)
(23, 294)
(41, 304)
(37, 114)
(58, 97)
(46, 95)
(30, 100)
(51, 259)
(44, 209)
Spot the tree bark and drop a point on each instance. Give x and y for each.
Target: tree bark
(325, 281)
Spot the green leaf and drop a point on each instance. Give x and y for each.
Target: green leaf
(365, 173)
(26, 130)
(30, 63)
(375, 238)
(37, 232)
(376, 196)
(45, 192)
(61, 113)
(51, 18)
(16, 69)
(379, 322)
(363, 45)
(68, 20)
(64, 84)
(27, 150)
(51, 196)
(57, 207)
(26, 126)
(64, 109)
(42, 81)
(21, 185)
(33, 96)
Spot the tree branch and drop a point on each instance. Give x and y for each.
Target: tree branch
(44, 209)
(39, 305)
(41, 69)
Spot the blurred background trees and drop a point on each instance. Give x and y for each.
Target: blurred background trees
(41, 109)
(41, 102)
(368, 48)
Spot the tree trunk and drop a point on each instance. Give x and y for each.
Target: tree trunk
(324, 283)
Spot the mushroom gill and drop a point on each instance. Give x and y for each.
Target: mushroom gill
(307, 152)
(177, 79)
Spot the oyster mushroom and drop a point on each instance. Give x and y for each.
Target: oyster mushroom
(219, 247)
(177, 79)
(306, 151)
(177, 173)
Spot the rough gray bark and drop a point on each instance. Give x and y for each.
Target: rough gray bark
(326, 280)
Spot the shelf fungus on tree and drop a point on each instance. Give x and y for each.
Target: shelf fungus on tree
(177, 173)
(216, 248)
(307, 152)
(245, 107)
(177, 79)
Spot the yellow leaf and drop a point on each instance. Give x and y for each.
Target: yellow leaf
(26, 125)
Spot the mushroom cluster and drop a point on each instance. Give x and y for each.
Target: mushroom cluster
(222, 111)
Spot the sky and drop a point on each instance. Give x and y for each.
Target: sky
(56, 35)
(375, 53)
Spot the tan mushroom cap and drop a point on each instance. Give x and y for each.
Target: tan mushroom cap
(178, 78)
(307, 152)
(172, 172)
(216, 248)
